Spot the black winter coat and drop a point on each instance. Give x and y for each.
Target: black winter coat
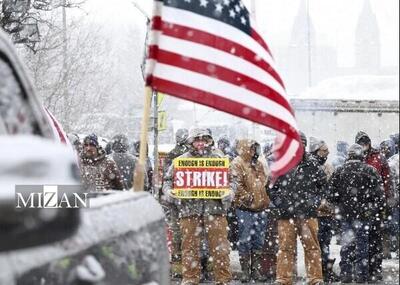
(126, 163)
(178, 150)
(357, 190)
(298, 193)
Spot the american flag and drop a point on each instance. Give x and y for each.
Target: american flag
(208, 52)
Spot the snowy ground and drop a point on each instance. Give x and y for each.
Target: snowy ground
(390, 267)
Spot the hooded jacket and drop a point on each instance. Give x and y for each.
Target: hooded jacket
(298, 193)
(356, 189)
(224, 145)
(379, 162)
(248, 180)
(178, 150)
(100, 173)
(394, 170)
(341, 154)
(125, 161)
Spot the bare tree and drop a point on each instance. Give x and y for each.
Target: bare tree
(24, 19)
(81, 69)
(86, 75)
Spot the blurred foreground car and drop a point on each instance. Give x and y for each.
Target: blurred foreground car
(119, 239)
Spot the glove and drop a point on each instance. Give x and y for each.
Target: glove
(227, 200)
(170, 198)
(325, 209)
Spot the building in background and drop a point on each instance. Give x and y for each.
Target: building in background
(304, 63)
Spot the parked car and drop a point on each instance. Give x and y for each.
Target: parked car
(119, 239)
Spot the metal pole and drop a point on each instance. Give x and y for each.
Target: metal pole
(155, 189)
(195, 114)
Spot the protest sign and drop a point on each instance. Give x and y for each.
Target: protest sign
(201, 178)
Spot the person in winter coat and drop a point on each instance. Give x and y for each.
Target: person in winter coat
(198, 214)
(108, 148)
(98, 172)
(75, 142)
(135, 150)
(224, 145)
(319, 150)
(248, 181)
(387, 148)
(125, 161)
(341, 154)
(395, 139)
(394, 223)
(180, 148)
(267, 152)
(374, 158)
(357, 191)
(394, 173)
(297, 195)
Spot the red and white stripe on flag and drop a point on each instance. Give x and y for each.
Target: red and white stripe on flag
(208, 52)
(58, 131)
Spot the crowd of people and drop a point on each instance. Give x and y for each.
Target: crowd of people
(111, 167)
(354, 198)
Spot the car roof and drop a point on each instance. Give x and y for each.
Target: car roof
(9, 54)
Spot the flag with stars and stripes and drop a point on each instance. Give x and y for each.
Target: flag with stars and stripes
(208, 52)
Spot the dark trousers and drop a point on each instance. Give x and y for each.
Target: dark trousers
(325, 234)
(233, 228)
(375, 251)
(252, 228)
(393, 229)
(355, 248)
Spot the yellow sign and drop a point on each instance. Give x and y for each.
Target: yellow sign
(201, 178)
(160, 98)
(162, 120)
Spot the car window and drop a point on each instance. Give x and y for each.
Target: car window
(16, 116)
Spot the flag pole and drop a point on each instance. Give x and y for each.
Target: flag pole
(155, 150)
(138, 183)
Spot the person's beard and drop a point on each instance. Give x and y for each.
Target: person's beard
(322, 159)
(202, 149)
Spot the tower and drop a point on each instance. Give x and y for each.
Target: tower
(367, 41)
(301, 53)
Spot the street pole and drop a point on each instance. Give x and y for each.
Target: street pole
(195, 114)
(155, 190)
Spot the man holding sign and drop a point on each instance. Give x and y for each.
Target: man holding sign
(198, 184)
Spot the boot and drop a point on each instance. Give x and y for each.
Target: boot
(245, 265)
(329, 275)
(256, 264)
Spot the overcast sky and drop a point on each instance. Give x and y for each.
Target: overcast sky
(334, 21)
